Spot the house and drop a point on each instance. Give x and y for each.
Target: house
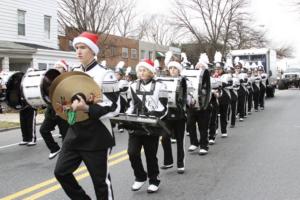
(28, 35)
(114, 49)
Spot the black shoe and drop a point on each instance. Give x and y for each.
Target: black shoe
(232, 126)
(166, 166)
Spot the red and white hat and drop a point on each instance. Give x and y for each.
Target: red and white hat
(175, 64)
(62, 63)
(148, 64)
(89, 39)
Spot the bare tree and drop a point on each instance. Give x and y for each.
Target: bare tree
(286, 51)
(97, 16)
(242, 36)
(126, 26)
(209, 20)
(158, 29)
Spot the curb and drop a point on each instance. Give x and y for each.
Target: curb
(14, 128)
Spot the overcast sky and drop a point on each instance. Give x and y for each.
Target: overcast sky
(276, 16)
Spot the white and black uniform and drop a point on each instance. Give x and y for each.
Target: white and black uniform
(214, 107)
(123, 87)
(234, 99)
(91, 141)
(263, 86)
(176, 121)
(256, 90)
(224, 101)
(148, 98)
(200, 116)
(242, 92)
(250, 96)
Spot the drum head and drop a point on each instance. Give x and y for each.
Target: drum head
(14, 96)
(204, 89)
(50, 76)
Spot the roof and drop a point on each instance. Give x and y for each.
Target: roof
(13, 46)
(19, 46)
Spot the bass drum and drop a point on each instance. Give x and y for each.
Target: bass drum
(11, 87)
(35, 86)
(176, 89)
(200, 86)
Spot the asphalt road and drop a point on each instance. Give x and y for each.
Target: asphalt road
(259, 160)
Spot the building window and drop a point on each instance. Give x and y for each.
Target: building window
(47, 25)
(134, 54)
(124, 52)
(21, 22)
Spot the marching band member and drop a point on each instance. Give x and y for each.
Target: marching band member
(201, 116)
(148, 98)
(91, 140)
(233, 93)
(256, 86)
(263, 85)
(216, 86)
(175, 121)
(242, 90)
(225, 98)
(123, 87)
(250, 88)
(28, 123)
(51, 120)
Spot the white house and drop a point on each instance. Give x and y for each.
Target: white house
(29, 35)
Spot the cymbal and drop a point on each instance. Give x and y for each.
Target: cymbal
(69, 84)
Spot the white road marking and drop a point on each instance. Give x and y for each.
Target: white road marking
(17, 144)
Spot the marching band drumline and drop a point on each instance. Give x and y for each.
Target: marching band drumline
(180, 102)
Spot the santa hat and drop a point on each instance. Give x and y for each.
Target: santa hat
(62, 63)
(175, 64)
(148, 64)
(89, 39)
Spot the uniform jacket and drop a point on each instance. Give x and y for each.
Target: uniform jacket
(96, 132)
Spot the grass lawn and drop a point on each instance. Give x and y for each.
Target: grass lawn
(5, 124)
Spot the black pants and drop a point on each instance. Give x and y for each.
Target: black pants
(28, 123)
(213, 122)
(223, 110)
(96, 163)
(233, 105)
(201, 117)
(178, 128)
(246, 103)
(256, 92)
(241, 104)
(250, 100)
(48, 125)
(262, 95)
(150, 145)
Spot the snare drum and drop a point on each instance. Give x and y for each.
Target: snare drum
(142, 124)
(201, 87)
(11, 85)
(176, 89)
(35, 86)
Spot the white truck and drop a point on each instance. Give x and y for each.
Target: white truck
(268, 59)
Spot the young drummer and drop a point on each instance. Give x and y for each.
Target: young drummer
(175, 120)
(148, 98)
